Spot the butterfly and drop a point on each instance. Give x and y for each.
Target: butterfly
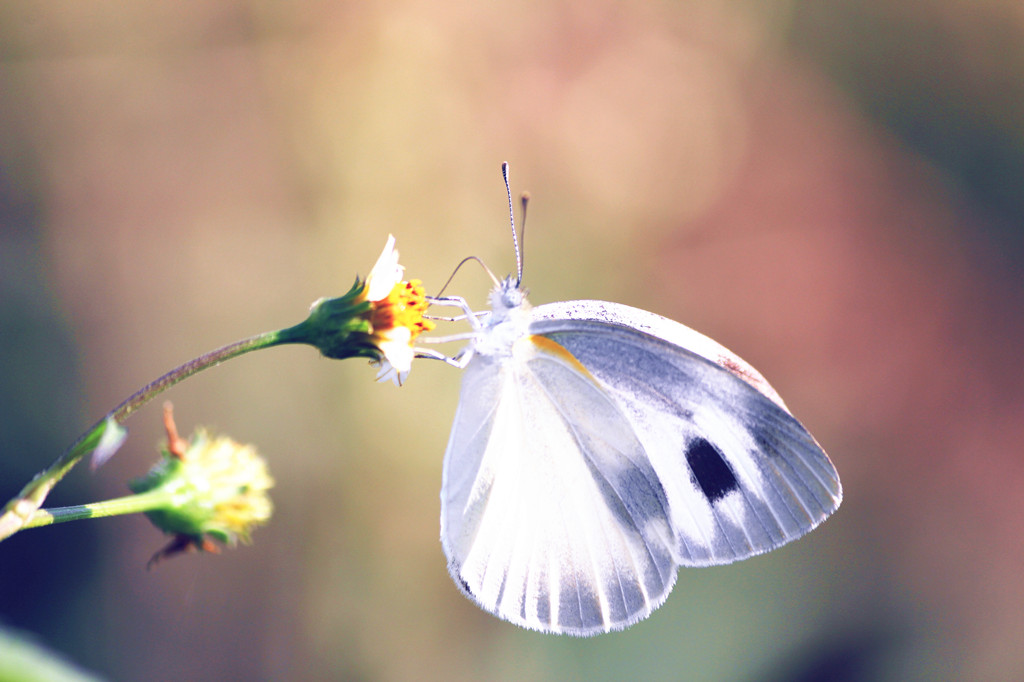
(597, 448)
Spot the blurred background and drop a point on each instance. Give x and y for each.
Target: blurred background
(831, 188)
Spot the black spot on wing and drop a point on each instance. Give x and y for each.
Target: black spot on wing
(712, 473)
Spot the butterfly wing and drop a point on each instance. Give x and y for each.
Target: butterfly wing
(661, 327)
(740, 473)
(552, 516)
(608, 447)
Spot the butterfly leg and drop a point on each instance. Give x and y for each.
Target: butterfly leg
(460, 360)
(458, 302)
(455, 318)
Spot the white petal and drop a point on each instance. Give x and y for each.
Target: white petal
(397, 348)
(388, 372)
(386, 273)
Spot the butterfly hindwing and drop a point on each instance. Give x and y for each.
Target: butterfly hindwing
(552, 515)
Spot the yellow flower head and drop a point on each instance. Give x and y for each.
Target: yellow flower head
(396, 314)
(219, 489)
(378, 318)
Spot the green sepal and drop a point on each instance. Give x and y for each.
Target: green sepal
(338, 327)
(189, 518)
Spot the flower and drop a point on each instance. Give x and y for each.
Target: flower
(216, 488)
(396, 321)
(378, 318)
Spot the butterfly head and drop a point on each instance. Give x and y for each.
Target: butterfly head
(508, 321)
(507, 296)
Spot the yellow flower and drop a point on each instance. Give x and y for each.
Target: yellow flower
(238, 483)
(395, 322)
(396, 314)
(218, 489)
(378, 318)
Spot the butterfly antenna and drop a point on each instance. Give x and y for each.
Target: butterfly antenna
(524, 199)
(459, 266)
(512, 221)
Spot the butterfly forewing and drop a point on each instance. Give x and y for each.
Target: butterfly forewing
(552, 515)
(658, 327)
(741, 475)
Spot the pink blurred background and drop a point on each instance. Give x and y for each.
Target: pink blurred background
(831, 189)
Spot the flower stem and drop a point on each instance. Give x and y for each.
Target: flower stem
(130, 504)
(17, 512)
(215, 357)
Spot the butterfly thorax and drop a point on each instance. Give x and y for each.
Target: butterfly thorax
(509, 320)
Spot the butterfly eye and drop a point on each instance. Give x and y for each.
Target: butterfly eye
(507, 295)
(512, 298)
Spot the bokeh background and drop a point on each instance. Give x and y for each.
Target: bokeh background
(832, 188)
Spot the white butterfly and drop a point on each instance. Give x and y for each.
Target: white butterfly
(597, 448)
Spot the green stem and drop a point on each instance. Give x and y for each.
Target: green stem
(18, 511)
(151, 390)
(130, 504)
